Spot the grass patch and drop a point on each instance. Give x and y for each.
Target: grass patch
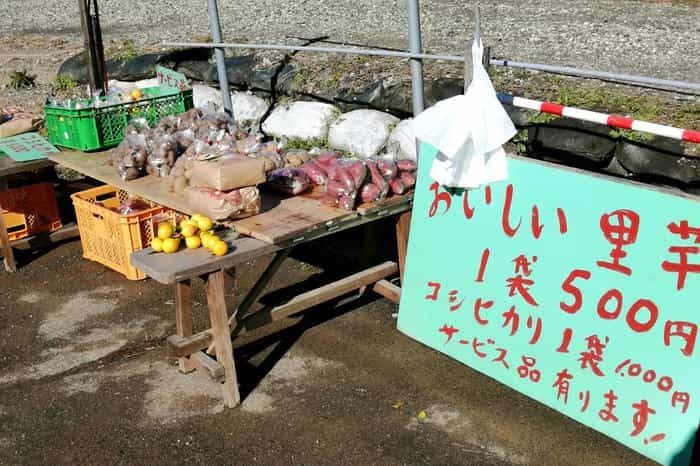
(64, 83)
(123, 51)
(22, 80)
(202, 38)
(301, 144)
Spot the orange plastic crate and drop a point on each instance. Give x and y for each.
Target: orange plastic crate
(108, 237)
(29, 210)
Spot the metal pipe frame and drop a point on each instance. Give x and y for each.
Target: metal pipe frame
(414, 45)
(626, 78)
(220, 58)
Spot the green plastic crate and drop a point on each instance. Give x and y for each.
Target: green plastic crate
(90, 128)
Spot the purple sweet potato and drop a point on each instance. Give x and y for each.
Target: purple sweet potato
(315, 172)
(397, 187)
(327, 158)
(378, 179)
(359, 172)
(346, 202)
(387, 168)
(408, 179)
(406, 165)
(344, 175)
(369, 193)
(338, 188)
(289, 180)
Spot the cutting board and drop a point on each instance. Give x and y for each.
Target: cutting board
(288, 218)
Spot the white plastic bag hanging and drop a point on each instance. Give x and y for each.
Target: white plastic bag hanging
(469, 130)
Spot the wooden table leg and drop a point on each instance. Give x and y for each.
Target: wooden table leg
(403, 225)
(183, 318)
(222, 337)
(7, 254)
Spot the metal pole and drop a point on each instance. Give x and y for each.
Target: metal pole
(86, 27)
(220, 59)
(626, 78)
(414, 45)
(99, 50)
(468, 60)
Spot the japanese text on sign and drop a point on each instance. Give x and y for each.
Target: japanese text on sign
(171, 79)
(572, 289)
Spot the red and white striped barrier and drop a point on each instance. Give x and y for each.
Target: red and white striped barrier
(614, 121)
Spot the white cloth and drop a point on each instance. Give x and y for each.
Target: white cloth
(469, 130)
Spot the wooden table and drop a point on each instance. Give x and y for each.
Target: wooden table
(283, 224)
(9, 167)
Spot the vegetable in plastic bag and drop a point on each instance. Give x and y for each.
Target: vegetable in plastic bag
(397, 187)
(408, 179)
(406, 165)
(289, 180)
(346, 202)
(378, 179)
(338, 188)
(358, 170)
(369, 193)
(132, 205)
(136, 126)
(162, 158)
(315, 172)
(296, 158)
(387, 168)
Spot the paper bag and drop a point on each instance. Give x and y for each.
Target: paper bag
(228, 173)
(218, 205)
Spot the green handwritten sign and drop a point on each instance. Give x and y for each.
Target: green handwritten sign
(577, 290)
(26, 147)
(170, 79)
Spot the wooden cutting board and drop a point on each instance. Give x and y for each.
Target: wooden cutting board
(288, 218)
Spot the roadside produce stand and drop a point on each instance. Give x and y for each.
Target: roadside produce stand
(284, 222)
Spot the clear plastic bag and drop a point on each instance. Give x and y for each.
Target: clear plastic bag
(130, 157)
(132, 205)
(291, 181)
(162, 157)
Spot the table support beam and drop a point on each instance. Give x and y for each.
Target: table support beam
(182, 347)
(222, 337)
(183, 319)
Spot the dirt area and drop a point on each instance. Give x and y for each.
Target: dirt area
(85, 377)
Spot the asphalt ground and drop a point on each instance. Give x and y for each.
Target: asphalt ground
(85, 378)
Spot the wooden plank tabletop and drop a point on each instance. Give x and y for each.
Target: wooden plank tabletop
(149, 187)
(282, 218)
(8, 166)
(374, 207)
(188, 263)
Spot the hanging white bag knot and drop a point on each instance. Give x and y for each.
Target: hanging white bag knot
(469, 131)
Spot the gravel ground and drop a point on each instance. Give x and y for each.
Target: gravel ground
(648, 38)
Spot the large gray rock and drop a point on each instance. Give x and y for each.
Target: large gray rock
(301, 120)
(659, 159)
(361, 132)
(248, 109)
(402, 141)
(579, 139)
(238, 69)
(140, 67)
(278, 79)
